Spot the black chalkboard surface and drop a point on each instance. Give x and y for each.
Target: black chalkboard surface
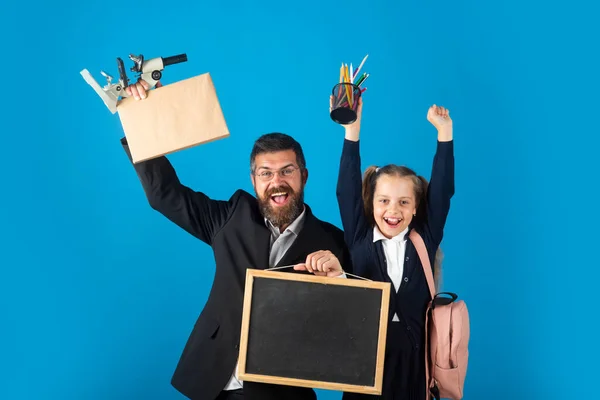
(311, 331)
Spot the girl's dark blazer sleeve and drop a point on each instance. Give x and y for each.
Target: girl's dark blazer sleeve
(192, 211)
(349, 194)
(439, 194)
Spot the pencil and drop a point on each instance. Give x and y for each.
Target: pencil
(360, 66)
(362, 78)
(349, 91)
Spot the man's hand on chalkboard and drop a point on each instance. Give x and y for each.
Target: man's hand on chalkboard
(321, 263)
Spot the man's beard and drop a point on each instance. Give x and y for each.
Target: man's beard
(281, 216)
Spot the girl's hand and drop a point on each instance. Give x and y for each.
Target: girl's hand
(440, 118)
(353, 129)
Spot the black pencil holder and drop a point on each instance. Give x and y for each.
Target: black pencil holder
(345, 103)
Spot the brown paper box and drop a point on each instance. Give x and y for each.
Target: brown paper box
(173, 117)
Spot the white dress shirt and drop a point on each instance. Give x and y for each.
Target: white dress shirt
(394, 250)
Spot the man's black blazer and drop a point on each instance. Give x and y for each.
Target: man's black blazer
(240, 239)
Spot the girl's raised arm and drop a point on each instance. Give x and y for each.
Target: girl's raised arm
(441, 184)
(349, 185)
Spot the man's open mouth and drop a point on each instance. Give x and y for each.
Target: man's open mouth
(279, 198)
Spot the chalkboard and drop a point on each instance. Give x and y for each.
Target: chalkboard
(311, 331)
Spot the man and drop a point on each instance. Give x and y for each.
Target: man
(275, 228)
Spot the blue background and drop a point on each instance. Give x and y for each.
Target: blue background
(98, 293)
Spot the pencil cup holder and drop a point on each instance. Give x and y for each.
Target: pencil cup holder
(345, 103)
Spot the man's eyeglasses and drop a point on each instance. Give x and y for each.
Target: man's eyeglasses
(266, 175)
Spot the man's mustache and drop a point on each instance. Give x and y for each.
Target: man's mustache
(279, 189)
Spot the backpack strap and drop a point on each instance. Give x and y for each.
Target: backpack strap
(424, 257)
(419, 244)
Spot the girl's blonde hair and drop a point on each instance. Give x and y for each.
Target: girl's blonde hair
(420, 185)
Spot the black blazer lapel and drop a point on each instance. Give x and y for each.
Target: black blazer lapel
(379, 257)
(260, 236)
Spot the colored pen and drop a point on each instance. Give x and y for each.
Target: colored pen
(364, 78)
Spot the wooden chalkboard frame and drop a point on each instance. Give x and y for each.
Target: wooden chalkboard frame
(376, 389)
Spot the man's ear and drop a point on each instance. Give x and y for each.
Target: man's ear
(304, 176)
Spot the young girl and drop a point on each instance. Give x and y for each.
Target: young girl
(378, 214)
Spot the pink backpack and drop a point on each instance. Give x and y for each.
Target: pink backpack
(447, 332)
